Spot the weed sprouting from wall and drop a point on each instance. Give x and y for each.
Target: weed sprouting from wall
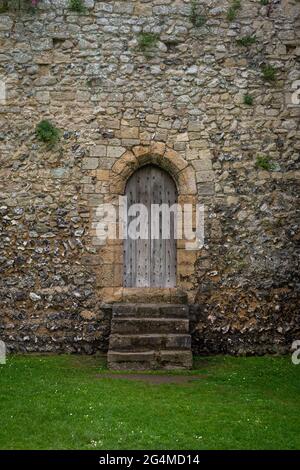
(246, 41)
(18, 5)
(264, 163)
(47, 132)
(248, 99)
(4, 6)
(197, 17)
(147, 41)
(233, 9)
(77, 5)
(268, 73)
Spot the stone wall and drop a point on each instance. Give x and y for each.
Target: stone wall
(90, 76)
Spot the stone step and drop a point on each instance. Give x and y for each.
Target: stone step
(146, 342)
(151, 310)
(172, 295)
(147, 336)
(149, 360)
(149, 325)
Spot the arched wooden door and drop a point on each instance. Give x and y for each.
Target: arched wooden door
(150, 258)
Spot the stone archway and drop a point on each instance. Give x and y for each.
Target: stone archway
(110, 273)
(158, 154)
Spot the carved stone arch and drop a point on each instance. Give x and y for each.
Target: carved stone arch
(157, 154)
(183, 174)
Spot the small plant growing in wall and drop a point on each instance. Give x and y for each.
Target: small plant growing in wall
(264, 2)
(18, 5)
(147, 41)
(197, 17)
(268, 73)
(3, 6)
(47, 132)
(248, 99)
(77, 5)
(233, 10)
(263, 162)
(246, 41)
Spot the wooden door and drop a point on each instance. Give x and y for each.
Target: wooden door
(150, 259)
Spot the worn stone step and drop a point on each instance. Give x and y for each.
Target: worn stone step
(144, 342)
(147, 336)
(151, 310)
(172, 295)
(149, 325)
(149, 360)
(176, 359)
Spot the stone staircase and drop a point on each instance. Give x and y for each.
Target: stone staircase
(150, 336)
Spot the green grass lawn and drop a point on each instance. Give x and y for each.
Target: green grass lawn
(61, 402)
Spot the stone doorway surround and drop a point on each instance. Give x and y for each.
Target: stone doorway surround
(109, 269)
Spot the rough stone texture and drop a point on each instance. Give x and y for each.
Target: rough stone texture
(87, 75)
(150, 336)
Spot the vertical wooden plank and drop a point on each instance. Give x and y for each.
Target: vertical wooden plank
(148, 242)
(128, 243)
(137, 242)
(154, 226)
(170, 258)
(135, 198)
(161, 279)
(142, 244)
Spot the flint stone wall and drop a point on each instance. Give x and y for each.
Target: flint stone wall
(87, 74)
